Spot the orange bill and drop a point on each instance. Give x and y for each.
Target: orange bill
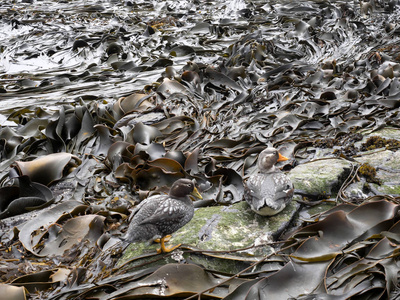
(282, 158)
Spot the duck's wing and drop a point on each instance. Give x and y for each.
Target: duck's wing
(146, 208)
(143, 211)
(169, 212)
(284, 187)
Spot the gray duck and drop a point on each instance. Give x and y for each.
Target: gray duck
(269, 190)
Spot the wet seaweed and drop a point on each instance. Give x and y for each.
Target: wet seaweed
(104, 104)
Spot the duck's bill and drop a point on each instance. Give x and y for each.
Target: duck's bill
(196, 194)
(282, 158)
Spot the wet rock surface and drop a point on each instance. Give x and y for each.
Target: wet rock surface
(227, 228)
(320, 178)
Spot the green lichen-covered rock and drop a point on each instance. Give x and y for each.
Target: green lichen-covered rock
(381, 159)
(387, 164)
(321, 178)
(230, 227)
(221, 228)
(309, 212)
(387, 133)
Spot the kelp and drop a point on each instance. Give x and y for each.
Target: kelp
(104, 105)
(13, 292)
(23, 197)
(49, 168)
(42, 280)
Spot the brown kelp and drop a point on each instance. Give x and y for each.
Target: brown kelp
(103, 104)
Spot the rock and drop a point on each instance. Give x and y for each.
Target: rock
(223, 228)
(387, 133)
(230, 227)
(320, 178)
(387, 165)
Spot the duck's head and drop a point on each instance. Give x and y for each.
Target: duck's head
(268, 158)
(182, 188)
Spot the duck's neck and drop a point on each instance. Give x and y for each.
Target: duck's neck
(269, 169)
(266, 163)
(186, 200)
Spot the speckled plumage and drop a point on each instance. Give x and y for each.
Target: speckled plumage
(161, 215)
(269, 190)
